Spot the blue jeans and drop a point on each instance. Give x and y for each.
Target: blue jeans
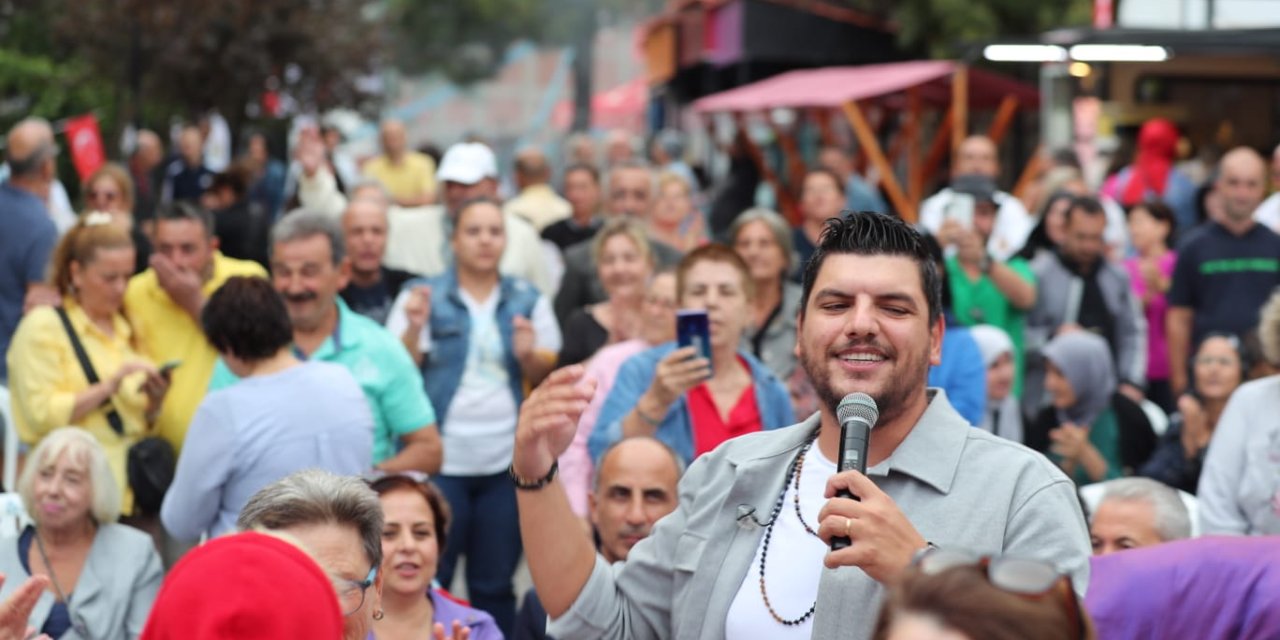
(486, 529)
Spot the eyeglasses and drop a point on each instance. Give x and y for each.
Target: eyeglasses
(351, 593)
(1020, 576)
(109, 196)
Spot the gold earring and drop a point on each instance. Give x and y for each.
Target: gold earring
(378, 615)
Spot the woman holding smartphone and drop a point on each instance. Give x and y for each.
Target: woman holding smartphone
(694, 401)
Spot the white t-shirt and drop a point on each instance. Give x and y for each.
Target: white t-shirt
(478, 426)
(1268, 213)
(1012, 226)
(794, 565)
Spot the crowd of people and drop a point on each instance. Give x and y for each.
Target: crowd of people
(324, 370)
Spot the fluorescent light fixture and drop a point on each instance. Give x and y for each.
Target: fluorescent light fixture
(1119, 53)
(1024, 53)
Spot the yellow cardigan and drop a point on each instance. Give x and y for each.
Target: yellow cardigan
(45, 377)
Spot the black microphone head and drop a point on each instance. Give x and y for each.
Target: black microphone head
(860, 406)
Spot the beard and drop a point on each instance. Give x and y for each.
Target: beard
(895, 392)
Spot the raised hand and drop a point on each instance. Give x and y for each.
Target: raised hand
(417, 309)
(677, 373)
(549, 420)
(522, 338)
(459, 632)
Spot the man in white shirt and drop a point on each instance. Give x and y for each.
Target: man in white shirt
(1268, 213)
(978, 155)
(418, 237)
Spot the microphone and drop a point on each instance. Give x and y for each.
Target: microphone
(857, 414)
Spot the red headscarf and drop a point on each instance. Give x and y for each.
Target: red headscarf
(1157, 146)
(247, 586)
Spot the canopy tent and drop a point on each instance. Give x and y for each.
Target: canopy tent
(910, 86)
(834, 86)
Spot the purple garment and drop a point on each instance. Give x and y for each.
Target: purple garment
(480, 623)
(1203, 588)
(1157, 342)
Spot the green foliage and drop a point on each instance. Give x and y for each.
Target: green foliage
(942, 28)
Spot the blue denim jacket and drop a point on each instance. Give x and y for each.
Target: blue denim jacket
(451, 335)
(772, 400)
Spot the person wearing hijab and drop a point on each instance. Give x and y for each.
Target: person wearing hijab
(247, 586)
(1003, 416)
(1152, 175)
(1083, 431)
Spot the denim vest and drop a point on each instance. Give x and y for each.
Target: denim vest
(450, 322)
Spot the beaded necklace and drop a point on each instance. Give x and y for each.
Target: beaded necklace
(793, 477)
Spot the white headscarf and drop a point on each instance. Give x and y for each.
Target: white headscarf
(993, 342)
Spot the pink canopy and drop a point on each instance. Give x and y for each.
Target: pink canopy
(834, 86)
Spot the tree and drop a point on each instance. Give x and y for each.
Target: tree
(465, 40)
(199, 55)
(943, 28)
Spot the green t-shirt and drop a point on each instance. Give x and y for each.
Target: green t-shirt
(978, 301)
(391, 382)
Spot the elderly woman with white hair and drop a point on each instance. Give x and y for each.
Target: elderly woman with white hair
(1003, 415)
(103, 577)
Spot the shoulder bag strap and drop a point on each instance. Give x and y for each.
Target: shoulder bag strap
(113, 417)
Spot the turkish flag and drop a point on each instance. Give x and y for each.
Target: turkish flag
(86, 144)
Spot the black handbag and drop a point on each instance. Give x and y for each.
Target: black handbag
(151, 461)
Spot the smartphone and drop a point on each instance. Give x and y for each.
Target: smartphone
(694, 330)
(960, 208)
(169, 366)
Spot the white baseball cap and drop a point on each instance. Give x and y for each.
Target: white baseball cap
(467, 163)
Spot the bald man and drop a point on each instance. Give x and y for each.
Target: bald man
(537, 202)
(27, 234)
(409, 176)
(1227, 269)
(635, 486)
(978, 155)
(373, 286)
(1268, 212)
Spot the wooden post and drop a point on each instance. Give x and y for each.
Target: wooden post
(914, 125)
(1003, 118)
(823, 118)
(867, 141)
(938, 149)
(959, 106)
(786, 203)
(791, 158)
(1029, 173)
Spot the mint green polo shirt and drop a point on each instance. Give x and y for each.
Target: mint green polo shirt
(391, 382)
(978, 301)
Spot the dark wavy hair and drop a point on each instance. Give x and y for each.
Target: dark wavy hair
(866, 233)
(246, 318)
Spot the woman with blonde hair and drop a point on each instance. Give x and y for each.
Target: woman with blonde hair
(624, 263)
(103, 577)
(110, 190)
(77, 363)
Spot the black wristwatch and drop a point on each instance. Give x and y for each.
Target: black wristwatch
(532, 485)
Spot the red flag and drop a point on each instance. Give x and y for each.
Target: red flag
(86, 144)
(1104, 14)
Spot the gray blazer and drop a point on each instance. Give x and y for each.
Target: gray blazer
(961, 487)
(117, 586)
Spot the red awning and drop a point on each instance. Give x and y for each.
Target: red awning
(833, 86)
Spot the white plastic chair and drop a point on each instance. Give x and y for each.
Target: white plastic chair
(13, 516)
(10, 442)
